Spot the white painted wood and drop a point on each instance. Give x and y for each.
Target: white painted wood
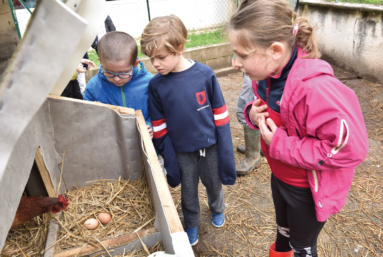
(95, 13)
(53, 35)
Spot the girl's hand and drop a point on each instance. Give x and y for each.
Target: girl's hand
(257, 111)
(150, 131)
(267, 128)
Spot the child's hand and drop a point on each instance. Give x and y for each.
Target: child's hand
(267, 128)
(80, 68)
(150, 131)
(257, 111)
(89, 62)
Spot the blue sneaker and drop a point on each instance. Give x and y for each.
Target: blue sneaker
(218, 219)
(193, 235)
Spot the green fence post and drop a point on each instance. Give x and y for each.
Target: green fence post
(147, 4)
(14, 17)
(25, 6)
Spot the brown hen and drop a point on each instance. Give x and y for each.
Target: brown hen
(32, 206)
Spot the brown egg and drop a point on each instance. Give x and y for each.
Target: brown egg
(91, 224)
(104, 217)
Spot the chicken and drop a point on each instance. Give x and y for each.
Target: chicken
(32, 206)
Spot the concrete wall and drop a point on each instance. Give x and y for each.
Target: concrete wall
(349, 35)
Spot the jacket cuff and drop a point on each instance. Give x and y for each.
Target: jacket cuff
(279, 136)
(247, 116)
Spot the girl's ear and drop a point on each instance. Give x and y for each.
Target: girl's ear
(136, 63)
(276, 50)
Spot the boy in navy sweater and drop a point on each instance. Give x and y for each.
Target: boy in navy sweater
(190, 122)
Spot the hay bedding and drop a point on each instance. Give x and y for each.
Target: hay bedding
(129, 204)
(29, 238)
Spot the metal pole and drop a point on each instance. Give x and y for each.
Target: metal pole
(147, 4)
(14, 17)
(25, 6)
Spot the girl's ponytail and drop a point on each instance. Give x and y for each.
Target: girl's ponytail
(305, 38)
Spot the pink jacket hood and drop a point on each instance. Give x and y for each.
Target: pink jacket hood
(325, 132)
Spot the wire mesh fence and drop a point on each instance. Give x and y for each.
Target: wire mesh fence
(207, 17)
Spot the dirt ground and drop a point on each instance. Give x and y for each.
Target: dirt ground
(250, 221)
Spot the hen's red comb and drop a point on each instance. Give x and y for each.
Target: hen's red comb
(64, 201)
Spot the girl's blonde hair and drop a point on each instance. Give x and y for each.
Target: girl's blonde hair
(166, 32)
(263, 22)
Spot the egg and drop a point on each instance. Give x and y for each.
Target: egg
(91, 224)
(104, 217)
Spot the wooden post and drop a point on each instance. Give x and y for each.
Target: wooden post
(44, 173)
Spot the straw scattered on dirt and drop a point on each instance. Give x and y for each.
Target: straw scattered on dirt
(29, 238)
(250, 217)
(129, 204)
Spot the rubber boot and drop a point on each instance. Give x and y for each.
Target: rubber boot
(242, 149)
(252, 156)
(273, 253)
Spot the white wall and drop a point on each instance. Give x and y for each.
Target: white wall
(131, 16)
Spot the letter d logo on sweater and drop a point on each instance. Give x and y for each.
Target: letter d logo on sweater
(201, 97)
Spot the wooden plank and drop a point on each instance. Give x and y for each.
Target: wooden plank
(118, 109)
(44, 173)
(108, 243)
(167, 200)
(9, 37)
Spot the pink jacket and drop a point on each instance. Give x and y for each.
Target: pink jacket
(325, 132)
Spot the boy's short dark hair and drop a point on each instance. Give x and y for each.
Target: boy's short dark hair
(117, 46)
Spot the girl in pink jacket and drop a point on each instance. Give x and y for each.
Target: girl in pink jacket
(313, 131)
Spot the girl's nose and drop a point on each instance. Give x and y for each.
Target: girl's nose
(237, 63)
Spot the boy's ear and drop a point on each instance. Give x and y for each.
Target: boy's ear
(136, 63)
(181, 50)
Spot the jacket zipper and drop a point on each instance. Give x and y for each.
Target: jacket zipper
(123, 97)
(268, 83)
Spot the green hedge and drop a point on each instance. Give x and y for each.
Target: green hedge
(376, 2)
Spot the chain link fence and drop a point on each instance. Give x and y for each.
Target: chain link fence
(204, 19)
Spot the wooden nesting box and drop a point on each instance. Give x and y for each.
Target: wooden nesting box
(99, 141)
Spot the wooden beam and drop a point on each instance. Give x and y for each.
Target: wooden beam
(44, 172)
(118, 109)
(158, 175)
(108, 243)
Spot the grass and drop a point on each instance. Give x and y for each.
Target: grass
(194, 40)
(376, 2)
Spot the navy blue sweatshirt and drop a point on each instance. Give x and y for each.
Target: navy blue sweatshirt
(188, 113)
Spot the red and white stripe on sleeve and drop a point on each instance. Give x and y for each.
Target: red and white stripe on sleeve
(159, 128)
(221, 116)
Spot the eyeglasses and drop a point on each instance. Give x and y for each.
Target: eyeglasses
(121, 75)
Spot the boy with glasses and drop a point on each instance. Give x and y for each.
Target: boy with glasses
(122, 79)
